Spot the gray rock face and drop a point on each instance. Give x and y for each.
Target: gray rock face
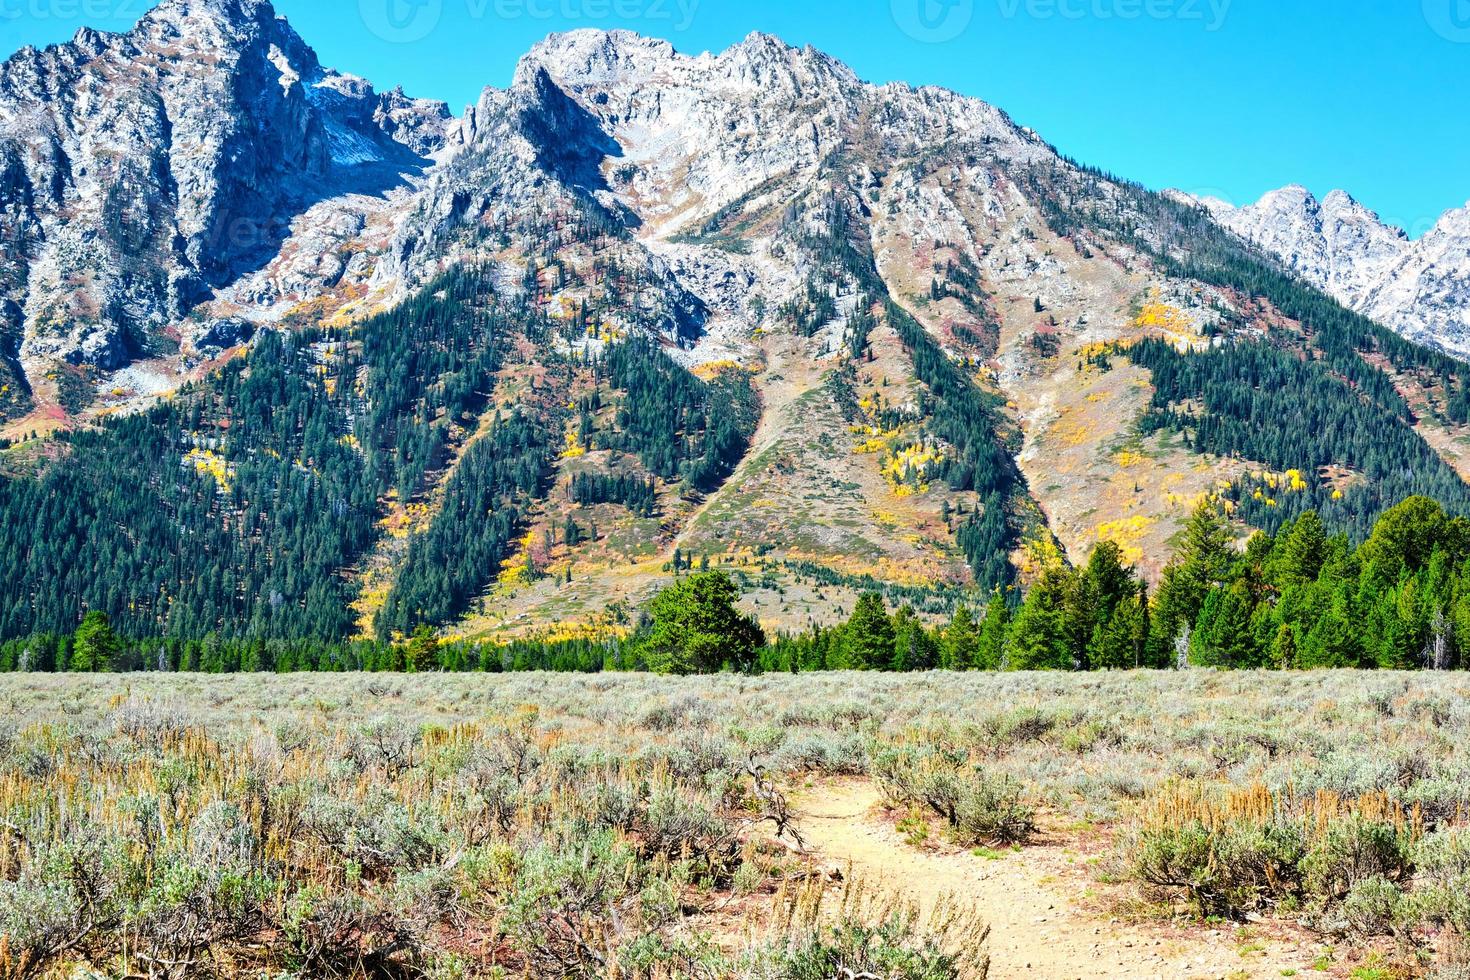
(659, 141)
(1420, 288)
(178, 187)
(140, 172)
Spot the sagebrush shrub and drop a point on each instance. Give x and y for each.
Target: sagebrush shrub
(341, 934)
(1226, 871)
(1374, 907)
(568, 902)
(993, 810)
(1443, 863)
(1352, 850)
(65, 903)
(980, 807)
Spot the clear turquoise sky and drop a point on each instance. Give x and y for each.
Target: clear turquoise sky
(1228, 97)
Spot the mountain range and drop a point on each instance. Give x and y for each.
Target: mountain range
(282, 355)
(1419, 288)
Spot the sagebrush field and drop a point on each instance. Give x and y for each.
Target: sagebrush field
(815, 826)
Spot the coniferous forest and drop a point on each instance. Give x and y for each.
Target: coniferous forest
(1298, 600)
(232, 508)
(220, 530)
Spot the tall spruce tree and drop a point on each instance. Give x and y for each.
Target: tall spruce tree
(96, 646)
(867, 641)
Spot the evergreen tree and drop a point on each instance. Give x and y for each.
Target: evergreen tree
(1201, 564)
(1224, 636)
(914, 647)
(1286, 649)
(990, 645)
(1038, 636)
(959, 647)
(1303, 550)
(1333, 641)
(1093, 601)
(1405, 537)
(1119, 642)
(696, 628)
(868, 638)
(95, 646)
(1406, 620)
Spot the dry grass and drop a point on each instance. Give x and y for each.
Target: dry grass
(354, 825)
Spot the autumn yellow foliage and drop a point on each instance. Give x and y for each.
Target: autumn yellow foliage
(606, 333)
(574, 448)
(1128, 459)
(714, 369)
(519, 571)
(1174, 323)
(1040, 554)
(1128, 535)
(209, 463)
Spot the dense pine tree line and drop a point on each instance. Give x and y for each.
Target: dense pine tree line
(485, 504)
(431, 362)
(123, 523)
(682, 427)
(234, 507)
(216, 654)
(1264, 404)
(638, 494)
(1301, 599)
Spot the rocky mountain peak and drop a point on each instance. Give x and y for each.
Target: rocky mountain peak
(592, 57)
(1340, 201)
(1419, 288)
(1292, 196)
(623, 59)
(161, 164)
(224, 27)
(1455, 222)
(230, 13)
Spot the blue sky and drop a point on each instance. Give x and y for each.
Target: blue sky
(1228, 97)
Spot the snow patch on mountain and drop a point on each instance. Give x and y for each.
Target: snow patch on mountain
(1421, 289)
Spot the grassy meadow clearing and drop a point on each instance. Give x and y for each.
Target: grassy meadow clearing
(633, 826)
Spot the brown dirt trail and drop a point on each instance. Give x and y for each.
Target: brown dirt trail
(1036, 901)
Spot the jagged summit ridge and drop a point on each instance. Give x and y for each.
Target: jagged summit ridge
(736, 303)
(1419, 288)
(145, 170)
